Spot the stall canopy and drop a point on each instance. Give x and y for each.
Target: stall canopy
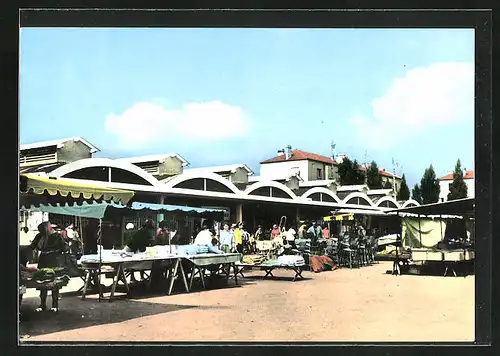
(97, 210)
(31, 183)
(340, 217)
(461, 207)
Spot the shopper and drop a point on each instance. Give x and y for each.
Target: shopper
(226, 239)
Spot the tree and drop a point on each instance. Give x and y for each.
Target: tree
(373, 178)
(387, 185)
(429, 186)
(345, 171)
(458, 188)
(416, 193)
(404, 191)
(359, 175)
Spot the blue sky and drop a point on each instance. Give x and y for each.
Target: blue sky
(221, 96)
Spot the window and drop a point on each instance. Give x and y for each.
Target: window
(319, 173)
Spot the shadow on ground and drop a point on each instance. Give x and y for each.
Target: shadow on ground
(75, 313)
(276, 278)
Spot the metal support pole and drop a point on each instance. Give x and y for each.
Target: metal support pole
(99, 239)
(420, 231)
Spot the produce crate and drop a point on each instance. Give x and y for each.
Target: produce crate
(434, 256)
(469, 255)
(419, 254)
(454, 255)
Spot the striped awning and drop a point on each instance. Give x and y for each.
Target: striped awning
(35, 184)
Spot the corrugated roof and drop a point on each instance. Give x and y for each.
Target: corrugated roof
(299, 155)
(152, 158)
(29, 146)
(467, 175)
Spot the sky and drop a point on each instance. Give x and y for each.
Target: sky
(224, 96)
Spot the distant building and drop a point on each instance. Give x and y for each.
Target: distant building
(159, 166)
(308, 166)
(44, 156)
(238, 174)
(444, 184)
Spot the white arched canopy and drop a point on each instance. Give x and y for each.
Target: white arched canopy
(270, 184)
(388, 199)
(410, 202)
(321, 190)
(103, 162)
(185, 177)
(360, 196)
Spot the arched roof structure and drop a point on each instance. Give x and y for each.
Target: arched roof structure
(389, 199)
(103, 162)
(358, 195)
(410, 202)
(271, 184)
(185, 177)
(321, 190)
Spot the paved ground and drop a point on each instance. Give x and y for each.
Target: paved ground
(344, 305)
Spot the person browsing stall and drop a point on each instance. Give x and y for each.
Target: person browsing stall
(275, 232)
(238, 238)
(226, 239)
(204, 237)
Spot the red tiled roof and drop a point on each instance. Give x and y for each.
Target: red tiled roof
(298, 155)
(467, 175)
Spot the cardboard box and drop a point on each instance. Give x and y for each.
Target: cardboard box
(454, 255)
(434, 256)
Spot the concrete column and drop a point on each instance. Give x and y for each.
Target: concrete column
(160, 217)
(239, 212)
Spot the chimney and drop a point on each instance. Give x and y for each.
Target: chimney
(465, 172)
(288, 152)
(281, 152)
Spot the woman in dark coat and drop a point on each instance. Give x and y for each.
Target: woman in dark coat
(50, 244)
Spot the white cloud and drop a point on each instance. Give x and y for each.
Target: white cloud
(147, 123)
(433, 96)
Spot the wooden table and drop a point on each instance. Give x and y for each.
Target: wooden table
(122, 266)
(269, 269)
(220, 261)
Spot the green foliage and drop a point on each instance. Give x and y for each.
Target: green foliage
(458, 188)
(404, 191)
(373, 178)
(349, 173)
(416, 193)
(429, 186)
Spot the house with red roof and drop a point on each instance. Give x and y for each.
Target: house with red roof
(445, 181)
(306, 166)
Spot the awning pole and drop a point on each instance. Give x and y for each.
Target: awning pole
(441, 225)
(420, 231)
(99, 246)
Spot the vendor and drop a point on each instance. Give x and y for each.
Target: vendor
(275, 232)
(142, 238)
(204, 237)
(51, 245)
(162, 234)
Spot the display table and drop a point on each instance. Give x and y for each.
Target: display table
(121, 265)
(270, 266)
(223, 262)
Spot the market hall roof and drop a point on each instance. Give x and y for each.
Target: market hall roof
(153, 158)
(465, 207)
(59, 143)
(298, 155)
(219, 169)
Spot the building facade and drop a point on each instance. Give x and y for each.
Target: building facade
(445, 181)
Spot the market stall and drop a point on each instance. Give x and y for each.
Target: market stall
(429, 232)
(35, 191)
(119, 264)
